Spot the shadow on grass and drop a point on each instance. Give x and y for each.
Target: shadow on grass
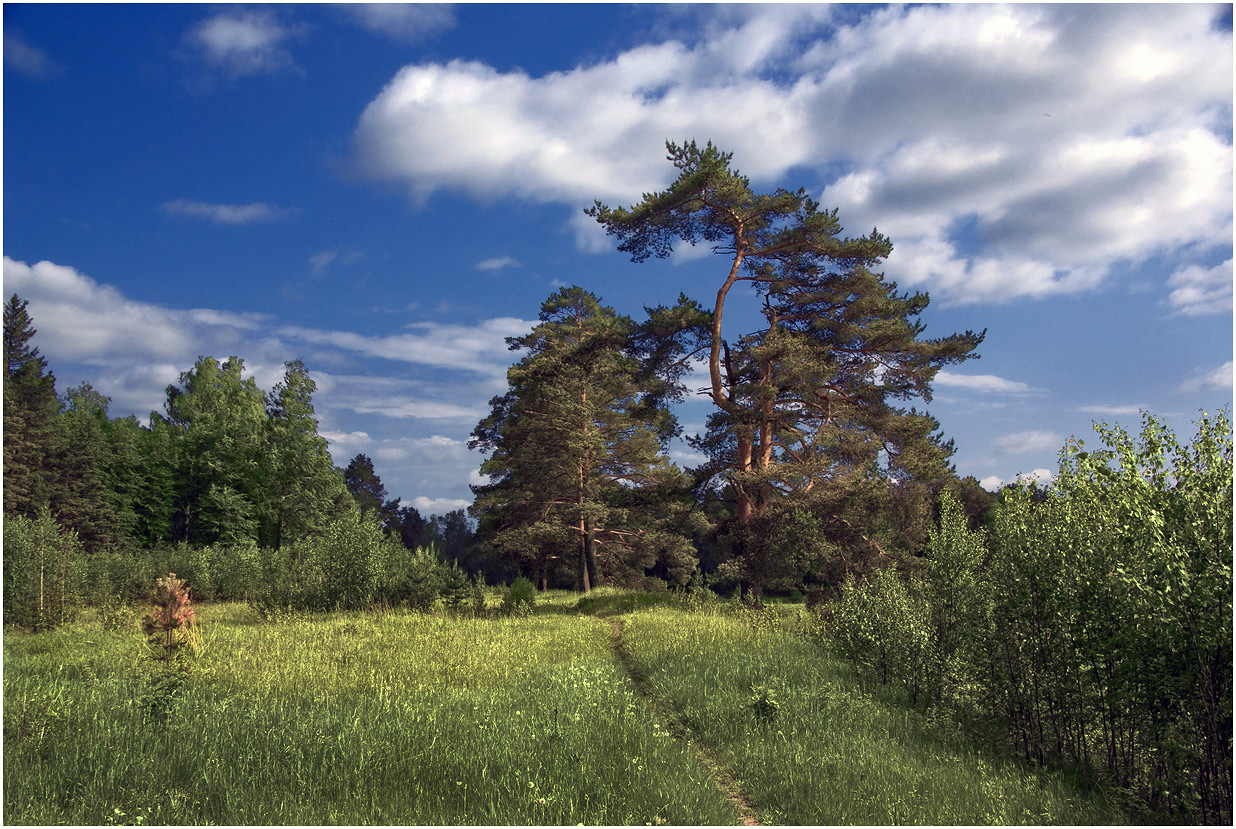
(616, 603)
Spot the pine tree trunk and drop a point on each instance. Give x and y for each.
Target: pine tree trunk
(590, 555)
(743, 508)
(584, 583)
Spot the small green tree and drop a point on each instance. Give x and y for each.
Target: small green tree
(42, 571)
(955, 590)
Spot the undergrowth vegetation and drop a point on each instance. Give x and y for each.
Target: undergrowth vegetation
(812, 747)
(1069, 663)
(1091, 626)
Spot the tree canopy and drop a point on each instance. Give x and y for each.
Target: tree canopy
(810, 407)
(578, 435)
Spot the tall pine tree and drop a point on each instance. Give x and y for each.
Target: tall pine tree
(569, 442)
(809, 406)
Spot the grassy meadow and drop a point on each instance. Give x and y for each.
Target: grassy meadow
(403, 718)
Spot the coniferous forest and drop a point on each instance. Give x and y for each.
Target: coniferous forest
(707, 639)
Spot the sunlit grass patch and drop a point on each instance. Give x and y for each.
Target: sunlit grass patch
(827, 753)
(345, 718)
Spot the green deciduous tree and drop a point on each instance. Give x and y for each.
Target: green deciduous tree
(42, 571)
(81, 496)
(218, 417)
(300, 489)
(808, 406)
(1093, 626)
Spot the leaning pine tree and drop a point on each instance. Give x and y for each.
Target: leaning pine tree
(808, 419)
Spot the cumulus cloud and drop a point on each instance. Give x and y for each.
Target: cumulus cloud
(497, 263)
(981, 383)
(1008, 151)
(243, 43)
(228, 214)
(139, 347)
(27, 60)
(438, 506)
(131, 351)
(408, 22)
(1219, 379)
(1197, 290)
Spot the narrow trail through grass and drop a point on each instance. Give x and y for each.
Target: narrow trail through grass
(724, 777)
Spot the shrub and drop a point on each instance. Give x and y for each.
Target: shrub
(520, 597)
(883, 626)
(416, 578)
(42, 572)
(115, 614)
(763, 704)
(169, 624)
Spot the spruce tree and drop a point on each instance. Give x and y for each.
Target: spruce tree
(30, 406)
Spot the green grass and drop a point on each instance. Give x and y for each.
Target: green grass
(358, 718)
(833, 754)
(344, 719)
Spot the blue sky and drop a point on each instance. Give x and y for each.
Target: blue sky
(386, 192)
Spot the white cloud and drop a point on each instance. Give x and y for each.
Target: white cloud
(497, 263)
(243, 43)
(137, 348)
(228, 214)
(27, 60)
(992, 483)
(1197, 290)
(131, 351)
(319, 261)
(1034, 440)
(981, 383)
(1113, 410)
(479, 349)
(1219, 379)
(1008, 151)
(409, 22)
(83, 321)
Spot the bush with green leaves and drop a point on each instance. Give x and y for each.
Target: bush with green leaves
(957, 598)
(116, 614)
(520, 597)
(1092, 626)
(1110, 635)
(883, 626)
(416, 578)
(43, 565)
